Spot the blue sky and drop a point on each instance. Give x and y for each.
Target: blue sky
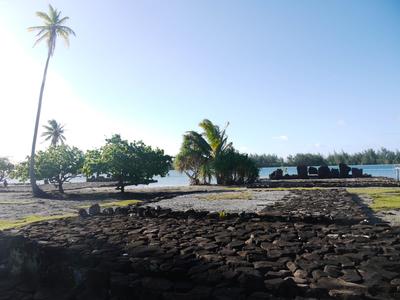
(289, 76)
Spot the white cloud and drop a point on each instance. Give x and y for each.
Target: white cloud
(317, 145)
(281, 137)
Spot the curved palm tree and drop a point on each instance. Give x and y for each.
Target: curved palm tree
(216, 138)
(199, 152)
(52, 28)
(55, 133)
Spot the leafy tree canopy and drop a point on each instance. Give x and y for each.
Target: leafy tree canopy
(58, 164)
(5, 168)
(235, 168)
(308, 159)
(366, 157)
(128, 163)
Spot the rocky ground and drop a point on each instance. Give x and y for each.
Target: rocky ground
(245, 200)
(16, 202)
(317, 244)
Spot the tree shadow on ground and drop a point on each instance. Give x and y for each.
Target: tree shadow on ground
(372, 217)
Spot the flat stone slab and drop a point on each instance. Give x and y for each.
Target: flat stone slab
(236, 201)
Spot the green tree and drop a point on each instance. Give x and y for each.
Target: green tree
(235, 168)
(307, 159)
(128, 163)
(267, 160)
(54, 132)
(218, 143)
(194, 158)
(203, 155)
(52, 28)
(96, 166)
(58, 164)
(5, 168)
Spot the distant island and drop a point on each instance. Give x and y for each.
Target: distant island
(366, 157)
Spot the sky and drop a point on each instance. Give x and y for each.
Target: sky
(288, 76)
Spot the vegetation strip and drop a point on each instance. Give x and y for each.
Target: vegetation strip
(8, 224)
(227, 196)
(16, 202)
(115, 203)
(383, 198)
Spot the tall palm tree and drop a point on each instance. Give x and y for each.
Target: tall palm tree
(52, 28)
(55, 133)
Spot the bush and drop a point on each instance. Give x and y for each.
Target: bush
(232, 167)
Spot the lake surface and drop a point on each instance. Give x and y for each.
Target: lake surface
(175, 178)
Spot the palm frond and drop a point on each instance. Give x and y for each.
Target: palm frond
(62, 20)
(211, 132)
(54, 132)
(67, 30)
(44, 36)
(65, 37)
(44, 16)
(32, 28)
(41, 31)
(52, 13)
(53, 27)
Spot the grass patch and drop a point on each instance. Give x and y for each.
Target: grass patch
(227, 196)
(294, 188)
(114, 204)
(17, 202)
(8, 224)
(383, 198)
(234, 188)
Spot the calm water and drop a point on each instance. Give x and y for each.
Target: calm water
(174, 178)
(374, 170)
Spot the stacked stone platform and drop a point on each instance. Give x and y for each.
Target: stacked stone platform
(299, 249)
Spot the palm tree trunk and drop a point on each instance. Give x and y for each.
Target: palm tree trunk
(36, 191)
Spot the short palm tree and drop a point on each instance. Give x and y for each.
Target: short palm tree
(54, 132)
(216, 138)
(52, 28)
(199, 151)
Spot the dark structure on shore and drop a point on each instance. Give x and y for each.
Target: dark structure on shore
(323, 172)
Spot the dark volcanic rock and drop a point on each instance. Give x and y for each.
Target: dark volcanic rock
(94, 210)
(309, 246)
(108, 211)
(312, 171)
(302, 172)
(277, 174)
(335, 173)
(356, 172)
(344, 170)
(83, 213)
(324, 172)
